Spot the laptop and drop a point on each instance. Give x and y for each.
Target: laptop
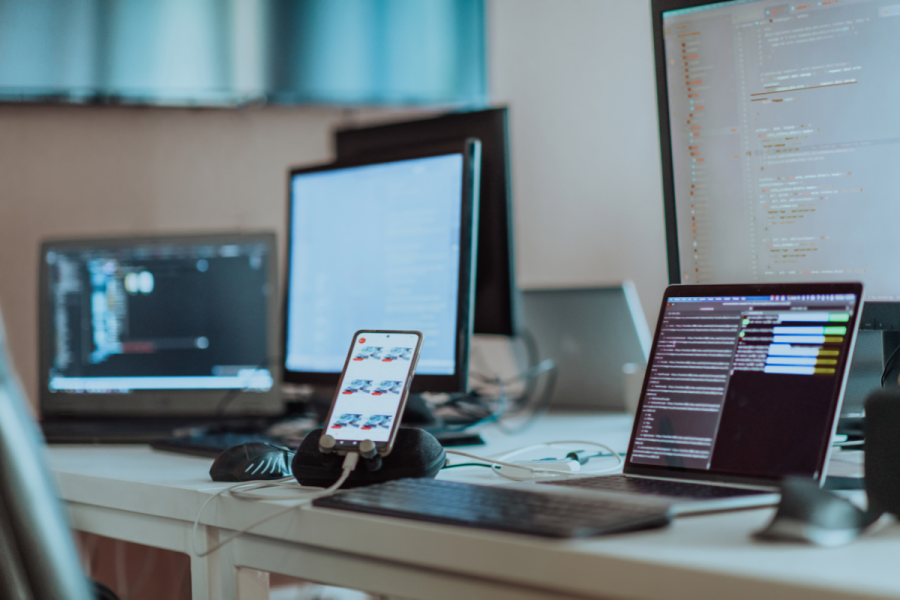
(743, 388)
(142, 335)
(590, 333)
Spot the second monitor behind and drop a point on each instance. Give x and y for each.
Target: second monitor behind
(590, 333)
(383, 244)
(495, 288)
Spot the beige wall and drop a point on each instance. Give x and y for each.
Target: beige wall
(577, 75)
(71, 171)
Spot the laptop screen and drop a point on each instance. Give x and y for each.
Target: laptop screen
(175, 314)
(745, 381)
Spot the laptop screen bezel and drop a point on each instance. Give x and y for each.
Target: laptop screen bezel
(686, 291)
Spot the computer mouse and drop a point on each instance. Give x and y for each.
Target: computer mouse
(252, 461)
(808, 513)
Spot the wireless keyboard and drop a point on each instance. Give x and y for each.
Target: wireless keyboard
(499, 509)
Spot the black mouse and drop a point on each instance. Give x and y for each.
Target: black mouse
(252, 461)
(808, 513)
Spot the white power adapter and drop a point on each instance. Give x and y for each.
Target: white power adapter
(539, 469)
(563, 465)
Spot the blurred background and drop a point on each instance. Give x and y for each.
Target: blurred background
(123, 117)
(145, 116)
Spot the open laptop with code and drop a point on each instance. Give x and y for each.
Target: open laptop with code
(146, 334)
(743, 388)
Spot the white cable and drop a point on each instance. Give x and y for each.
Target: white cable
(251, 492)
(536, 470)
(350, 462)
(518, 451)
(499, 462)
(534, 371)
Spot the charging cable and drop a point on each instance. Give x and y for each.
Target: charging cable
(247, 491)
(533, 469)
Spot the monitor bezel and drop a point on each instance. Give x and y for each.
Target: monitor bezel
(458, 380)
(876, 315)
(497, 314)
(160, 402)
(765, 289)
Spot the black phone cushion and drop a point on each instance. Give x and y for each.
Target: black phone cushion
(416, 453)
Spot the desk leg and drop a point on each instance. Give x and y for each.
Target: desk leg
(207, 573)
(215, 577)
(252, 584)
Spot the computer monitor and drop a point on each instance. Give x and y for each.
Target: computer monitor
(495, 284)
(779, 144)
(163, 326)
(382, 245)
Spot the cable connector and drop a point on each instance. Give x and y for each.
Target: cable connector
(350, 461)
(581, 456)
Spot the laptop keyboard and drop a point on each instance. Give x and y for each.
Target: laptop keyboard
(655, 487)
(499, 509)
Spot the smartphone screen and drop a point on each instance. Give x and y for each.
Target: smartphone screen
(373, 388)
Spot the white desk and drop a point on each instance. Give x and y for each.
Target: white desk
(139, 495)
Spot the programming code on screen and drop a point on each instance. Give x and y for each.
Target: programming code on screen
(785, 139)
(173, 316)
(724, 366)
(375, 247)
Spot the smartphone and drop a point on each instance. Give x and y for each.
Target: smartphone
(373, 388)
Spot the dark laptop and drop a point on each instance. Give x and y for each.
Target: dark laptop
(743, 388)
(143, 335)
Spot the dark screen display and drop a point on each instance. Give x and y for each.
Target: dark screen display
(158, 316)
(745, 385)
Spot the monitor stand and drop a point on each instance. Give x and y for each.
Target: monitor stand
(854, 424)
(417, 413)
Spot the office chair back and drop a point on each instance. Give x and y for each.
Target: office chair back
(37, 553)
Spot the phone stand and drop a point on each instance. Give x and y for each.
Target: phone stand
(416, 454)
(368, 451)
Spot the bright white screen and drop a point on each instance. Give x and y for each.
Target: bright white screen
(375, 247)
(370, 391)
(786, 141)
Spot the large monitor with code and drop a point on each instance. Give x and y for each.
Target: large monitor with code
(745, 381)
(383, 245)
(779, 143)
